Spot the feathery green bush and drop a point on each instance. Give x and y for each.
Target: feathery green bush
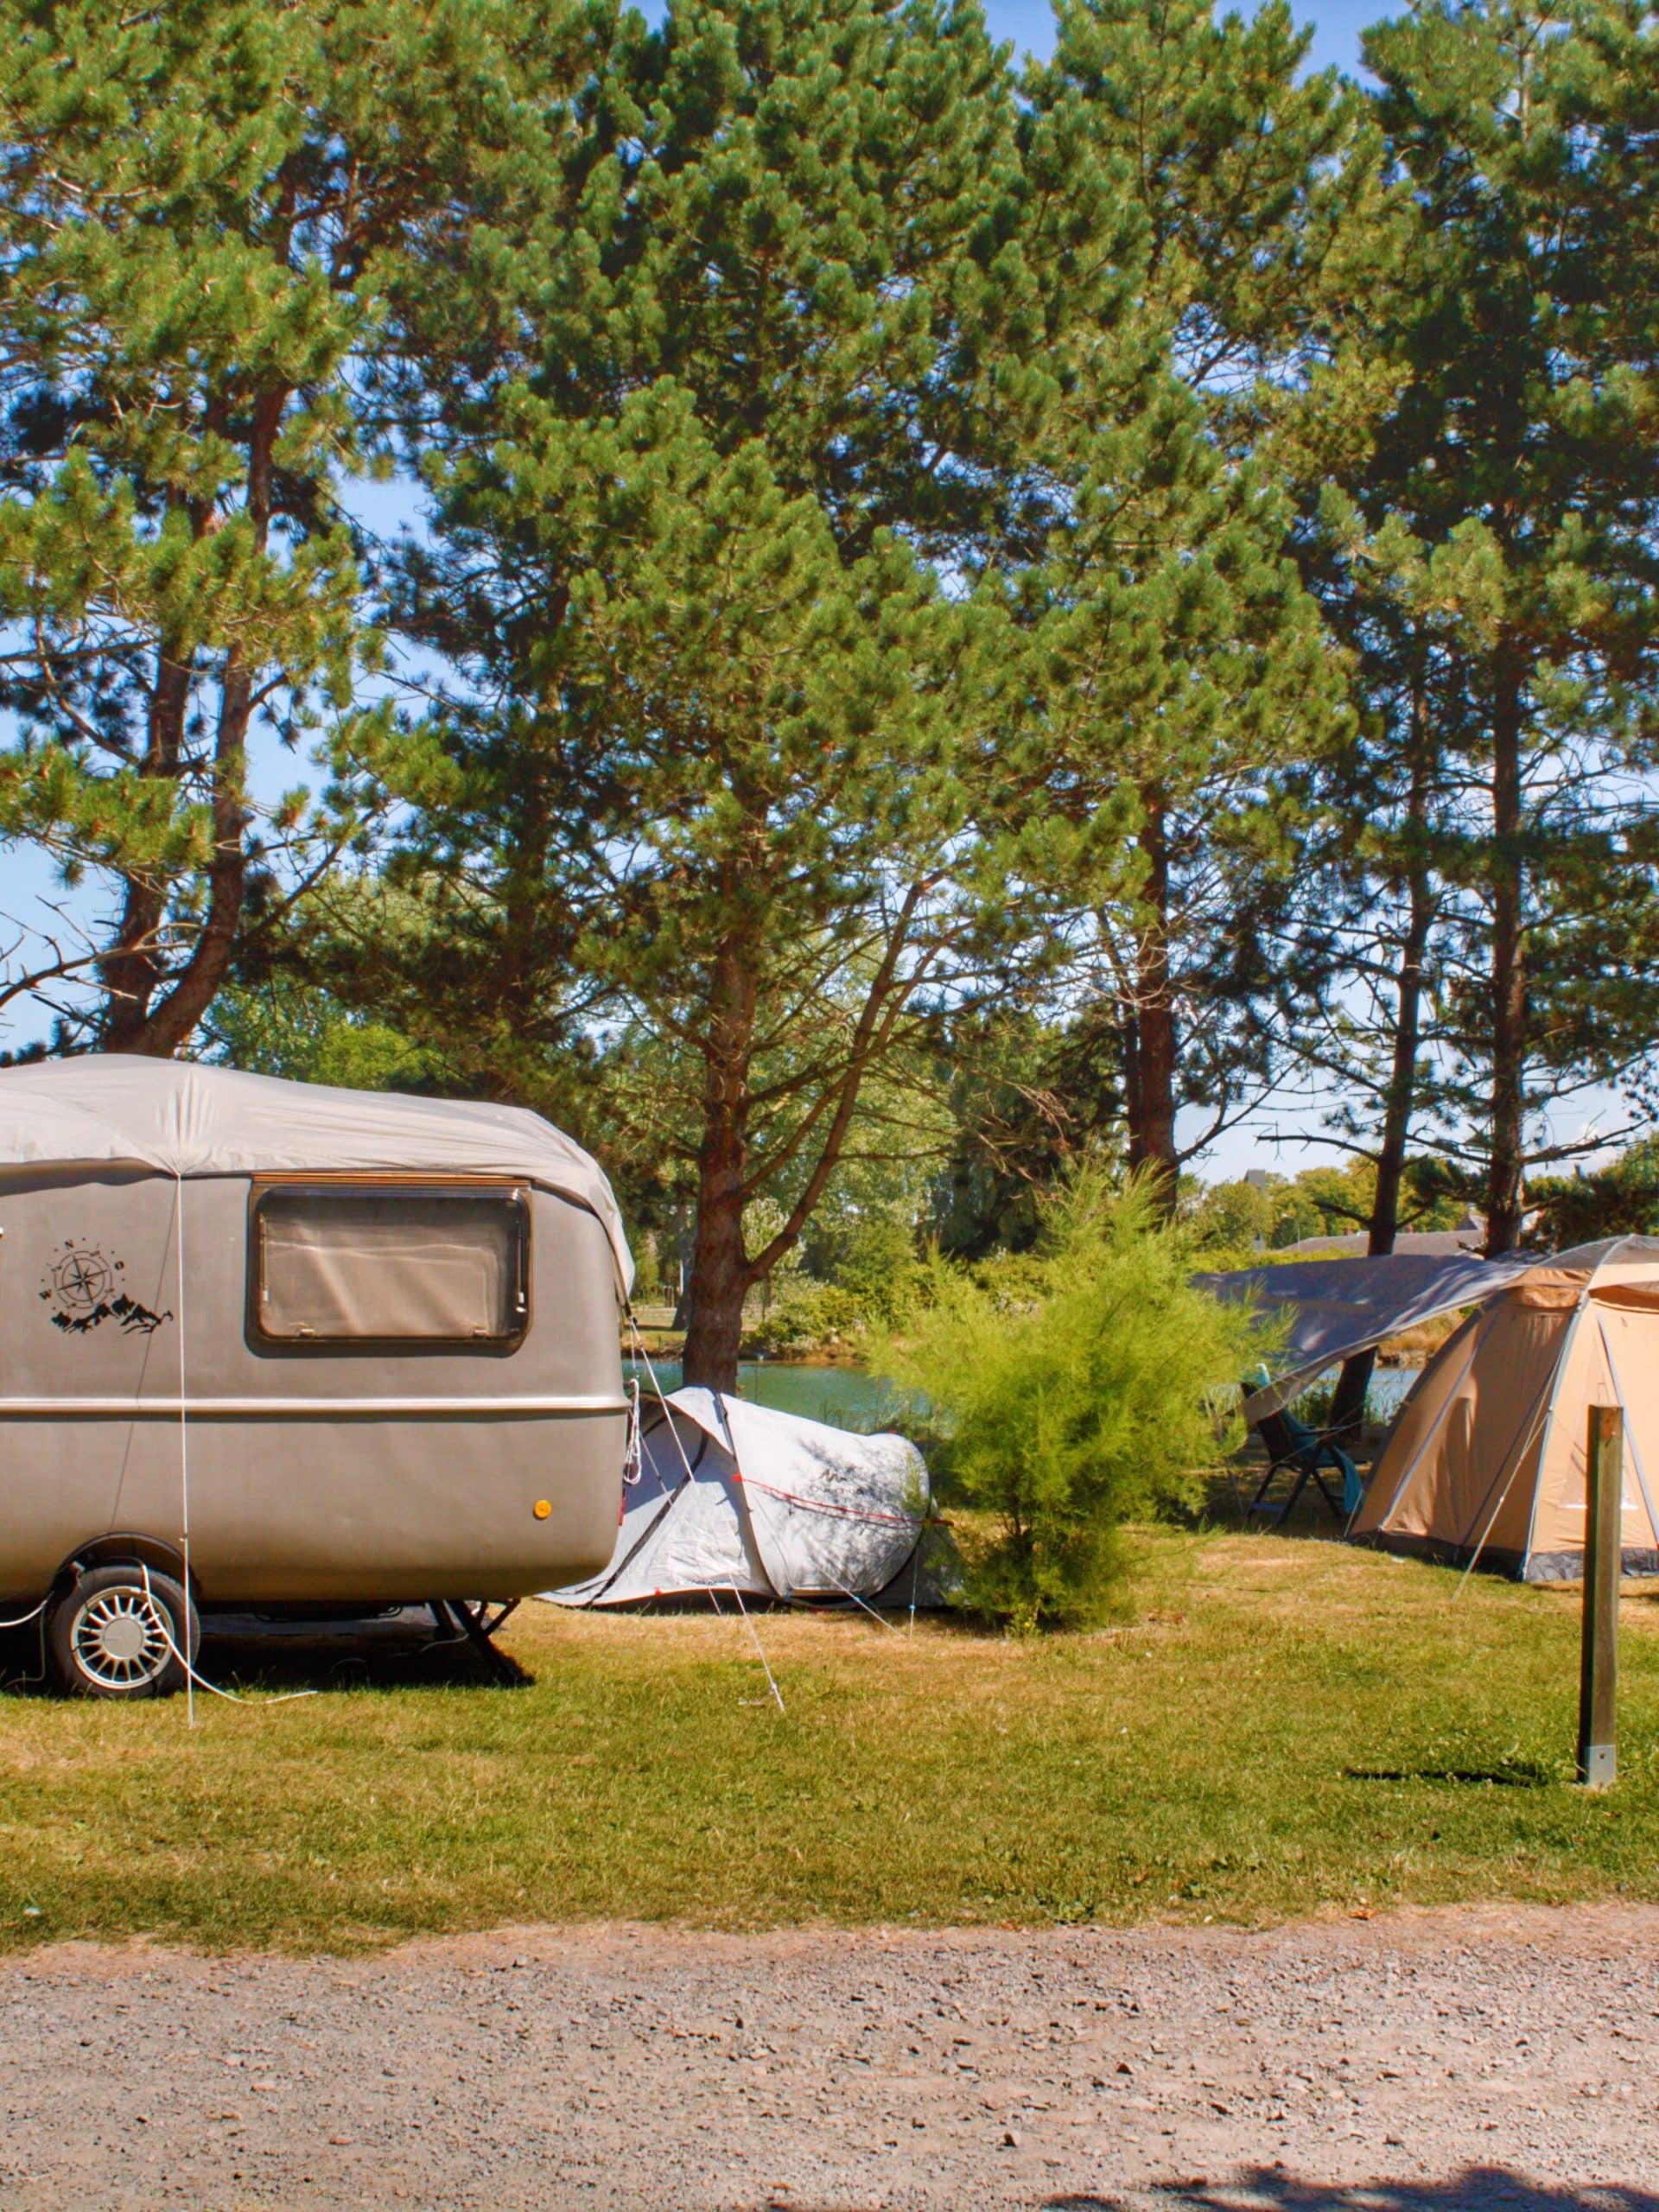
(1073, 1388)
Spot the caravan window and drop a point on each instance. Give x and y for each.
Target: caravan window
(442, 1265)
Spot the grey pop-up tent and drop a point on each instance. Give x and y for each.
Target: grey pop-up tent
(745, 1498)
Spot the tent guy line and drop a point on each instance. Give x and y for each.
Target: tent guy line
(639, 1346)
(737, 1592)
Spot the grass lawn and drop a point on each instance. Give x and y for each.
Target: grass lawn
(1277, 1727)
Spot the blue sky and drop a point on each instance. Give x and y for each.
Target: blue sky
(1337, 26)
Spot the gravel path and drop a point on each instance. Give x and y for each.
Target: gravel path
(1427, 2061)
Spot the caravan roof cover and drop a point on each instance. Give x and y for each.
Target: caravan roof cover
(736, 1497)
(1487, 1458)
(184, 1119)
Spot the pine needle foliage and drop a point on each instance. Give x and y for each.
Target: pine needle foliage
(1077, 1387)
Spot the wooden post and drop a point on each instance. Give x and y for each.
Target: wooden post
(1604, 1472)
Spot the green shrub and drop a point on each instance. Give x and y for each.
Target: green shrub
(1077, 1387)
(875, 1281)
(877, 1267)
(803, 1317)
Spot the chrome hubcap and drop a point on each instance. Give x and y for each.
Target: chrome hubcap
(122, 1639)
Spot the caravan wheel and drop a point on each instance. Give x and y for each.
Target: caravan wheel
(119, 1633)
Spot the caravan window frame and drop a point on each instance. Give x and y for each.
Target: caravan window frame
(514, 1194)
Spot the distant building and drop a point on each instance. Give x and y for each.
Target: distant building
(1469, 1235)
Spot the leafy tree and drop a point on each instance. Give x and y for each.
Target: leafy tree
(884, 1186)
(1244, 1219)
(876, 1266)
(285, 1028)
(1230, 1222)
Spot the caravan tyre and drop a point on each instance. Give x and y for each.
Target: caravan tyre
(119, 1633)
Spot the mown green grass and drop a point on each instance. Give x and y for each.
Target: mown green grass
(1276, 1728)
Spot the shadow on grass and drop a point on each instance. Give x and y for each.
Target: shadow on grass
(251, 1657)
(1227, 1503)
(1472, 2189)
(241, 1651)
(1521, 1774)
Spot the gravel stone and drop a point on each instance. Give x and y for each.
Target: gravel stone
(1425, 2062)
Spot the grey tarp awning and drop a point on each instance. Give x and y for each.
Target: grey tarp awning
(1337, 1307)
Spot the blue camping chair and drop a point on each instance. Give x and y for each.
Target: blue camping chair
(1304, 1454)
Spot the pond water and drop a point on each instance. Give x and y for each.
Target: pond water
(1389, 1387)
(1387, 1392)
(848, 1397)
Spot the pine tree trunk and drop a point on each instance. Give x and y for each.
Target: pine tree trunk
(1150, 1061)
(169, 1023)
(1384, 1224)
(131, 972)
(721, 1274)
(133, 1019)
(1348, 1407)
(1504, 1195)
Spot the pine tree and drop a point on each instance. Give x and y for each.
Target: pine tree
(1255, 202)
(1500, 568)
(205, 210)
(705, 490)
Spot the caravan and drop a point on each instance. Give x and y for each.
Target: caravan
(272, 1345)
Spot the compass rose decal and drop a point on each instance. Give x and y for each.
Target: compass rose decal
(82, 1284)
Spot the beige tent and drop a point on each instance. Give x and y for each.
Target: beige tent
(1486, 1460)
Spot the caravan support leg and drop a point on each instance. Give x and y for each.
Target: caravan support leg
(475, 1625)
